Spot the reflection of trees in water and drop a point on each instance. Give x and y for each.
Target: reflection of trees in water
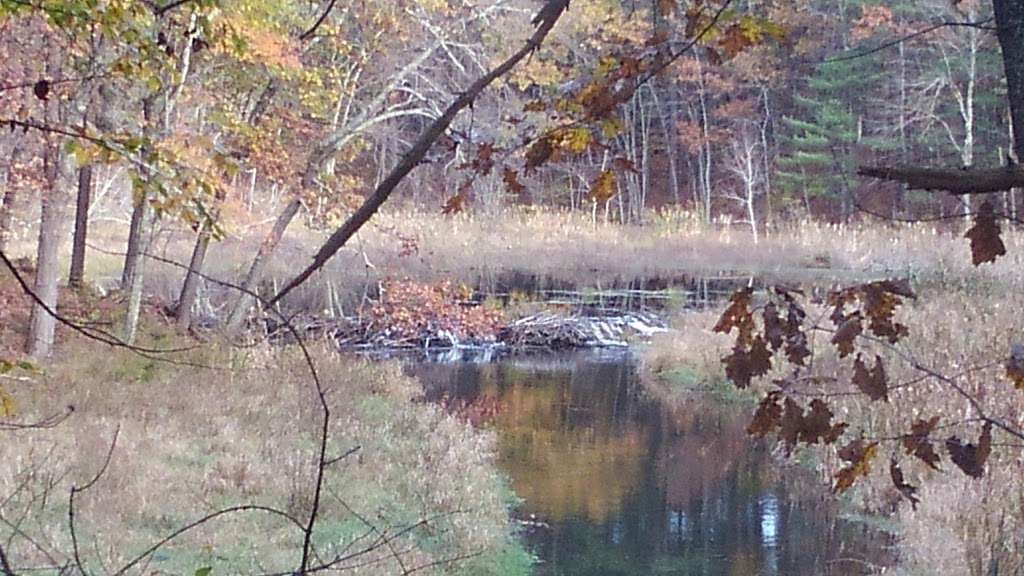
(569, 443)
(630, 487)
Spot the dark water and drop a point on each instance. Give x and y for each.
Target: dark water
(615, 482)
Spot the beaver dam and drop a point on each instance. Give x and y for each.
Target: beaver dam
(510, 311)
(413, 315)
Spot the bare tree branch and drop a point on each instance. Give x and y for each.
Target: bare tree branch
(954, 181)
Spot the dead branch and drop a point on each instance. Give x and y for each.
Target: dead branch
(954, 181)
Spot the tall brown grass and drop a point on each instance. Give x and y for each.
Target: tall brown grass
(560, 247)
(193, 440)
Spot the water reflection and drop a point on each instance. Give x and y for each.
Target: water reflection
(623, 485)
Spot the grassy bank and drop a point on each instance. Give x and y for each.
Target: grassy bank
(421, 489)
(961, 325)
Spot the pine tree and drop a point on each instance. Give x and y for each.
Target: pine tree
(822, 141)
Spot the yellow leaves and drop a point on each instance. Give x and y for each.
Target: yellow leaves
(572, 139)
(575, 139)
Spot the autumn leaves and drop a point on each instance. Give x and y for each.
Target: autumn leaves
(773, 330)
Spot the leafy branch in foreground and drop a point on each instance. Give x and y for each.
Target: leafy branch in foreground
(775, 334)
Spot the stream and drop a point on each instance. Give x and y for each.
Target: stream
(615, 482)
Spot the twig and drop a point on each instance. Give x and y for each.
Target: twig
(201, 521)
(309, 33)
(75, 490)
(48, 422)
(347, 453)
(897, 41)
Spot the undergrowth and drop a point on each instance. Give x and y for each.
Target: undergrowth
(191, 440)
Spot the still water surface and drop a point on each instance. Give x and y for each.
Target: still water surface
(615, 482)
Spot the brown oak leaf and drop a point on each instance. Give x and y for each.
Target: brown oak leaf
(767, 417)
(986, 245)
(738, 315)
(859, 455)
(908, 491)
(818, 425)
(846, 335)
(969, 457)
(871, 381)
(743, 365)
(918, 443)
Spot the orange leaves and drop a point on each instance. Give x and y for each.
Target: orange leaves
(971, 458)
(414, 310)
(813, 427)
(986, 244)
(872, 18)
(871, 382)
(859, 455)
(484, 161)
(751, 356)
(602, 188)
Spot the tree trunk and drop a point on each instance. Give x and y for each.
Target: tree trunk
(135, 283)
(132, 276)
(183, 317)
(135, 232)
(259, 263)
(77, 273)
(42, 324)
(1010, 23)
(10, 196)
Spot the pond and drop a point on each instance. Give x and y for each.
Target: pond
(615, 482)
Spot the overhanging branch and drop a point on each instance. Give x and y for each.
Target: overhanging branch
(954, 181)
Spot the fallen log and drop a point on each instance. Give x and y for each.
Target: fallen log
(954, 181)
